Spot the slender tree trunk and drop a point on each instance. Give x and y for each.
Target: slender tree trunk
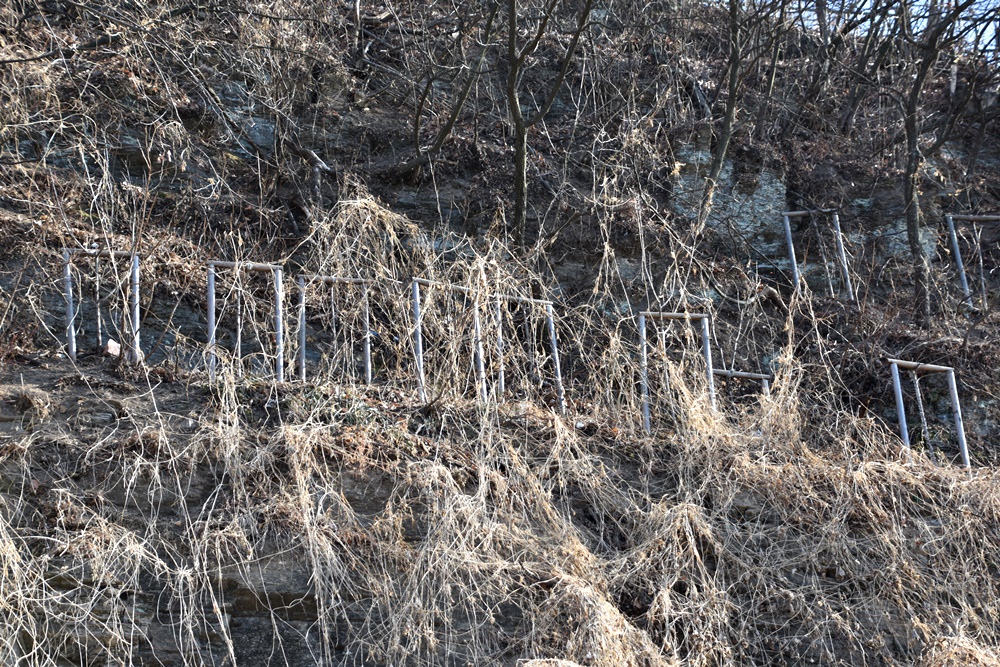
(520, 182)
(911, 197)
(726, 132)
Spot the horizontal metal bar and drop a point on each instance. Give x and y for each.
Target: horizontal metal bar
(722, 372)
(434, 283)
(524, 299)
(918, 367)
(798, 214)
(102, 253)
(976, 218)
(247, 266)
(467, 290)
(334, 280)
(673, 316)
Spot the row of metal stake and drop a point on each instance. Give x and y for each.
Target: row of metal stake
(134, 352)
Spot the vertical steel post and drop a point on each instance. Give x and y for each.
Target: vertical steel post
(501, 380)
(418, 342)
(791, 251)
(897, 388)
(477, 334)
(924, 431)
(333, 317)
(765, 386)
(550, 316)
(706, 343)
(302, 328)
(644, 374)
(956, 409)
(136, 353)
(238, 346)
(367, 340)
(211, 321)
(70, 308)
(842, 254)
(97, 300)
(279, 327)
(984, 298)
(958, 260)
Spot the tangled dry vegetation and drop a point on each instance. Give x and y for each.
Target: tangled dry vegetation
(153, 516)
(243, 522)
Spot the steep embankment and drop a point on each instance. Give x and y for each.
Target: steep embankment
(151, 514)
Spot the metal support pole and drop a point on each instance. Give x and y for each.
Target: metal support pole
(418, 343)
(765, 387)
(136, 353)
(211, 322)
(644, 373)
(302, 328)
(984, 295)
(791, 252)
(367, 340)
(279, 327)
(706, 343)
(70, 308)
(333, 318)
(550, 316)
(477, 334)
(501, 380)
(238, 346)
(842, 254)
(897, 388)
(97, 301)
(924, 431)
(956, 409)
(958, 260)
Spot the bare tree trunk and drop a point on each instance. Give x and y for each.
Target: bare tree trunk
(726, 132)
(515, 60)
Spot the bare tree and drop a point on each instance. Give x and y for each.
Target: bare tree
(517, 56)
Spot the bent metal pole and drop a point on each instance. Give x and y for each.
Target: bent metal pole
(956, 406)
(279, 328)
(706, 350)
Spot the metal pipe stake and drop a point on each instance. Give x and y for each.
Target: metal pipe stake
(956, 409)
(211, 322)
(279, 326)
(897, 388)
(842, 254)
(791, 251)
(302, 328)
(418, 343)
(550, 316)
(958, 259)
(644, 373)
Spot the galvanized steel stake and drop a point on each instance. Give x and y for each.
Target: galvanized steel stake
(302, 328)
(211, 322)
(418, 343)
(958, 259)
(555, 358)
(644, 373)
(70, 308)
